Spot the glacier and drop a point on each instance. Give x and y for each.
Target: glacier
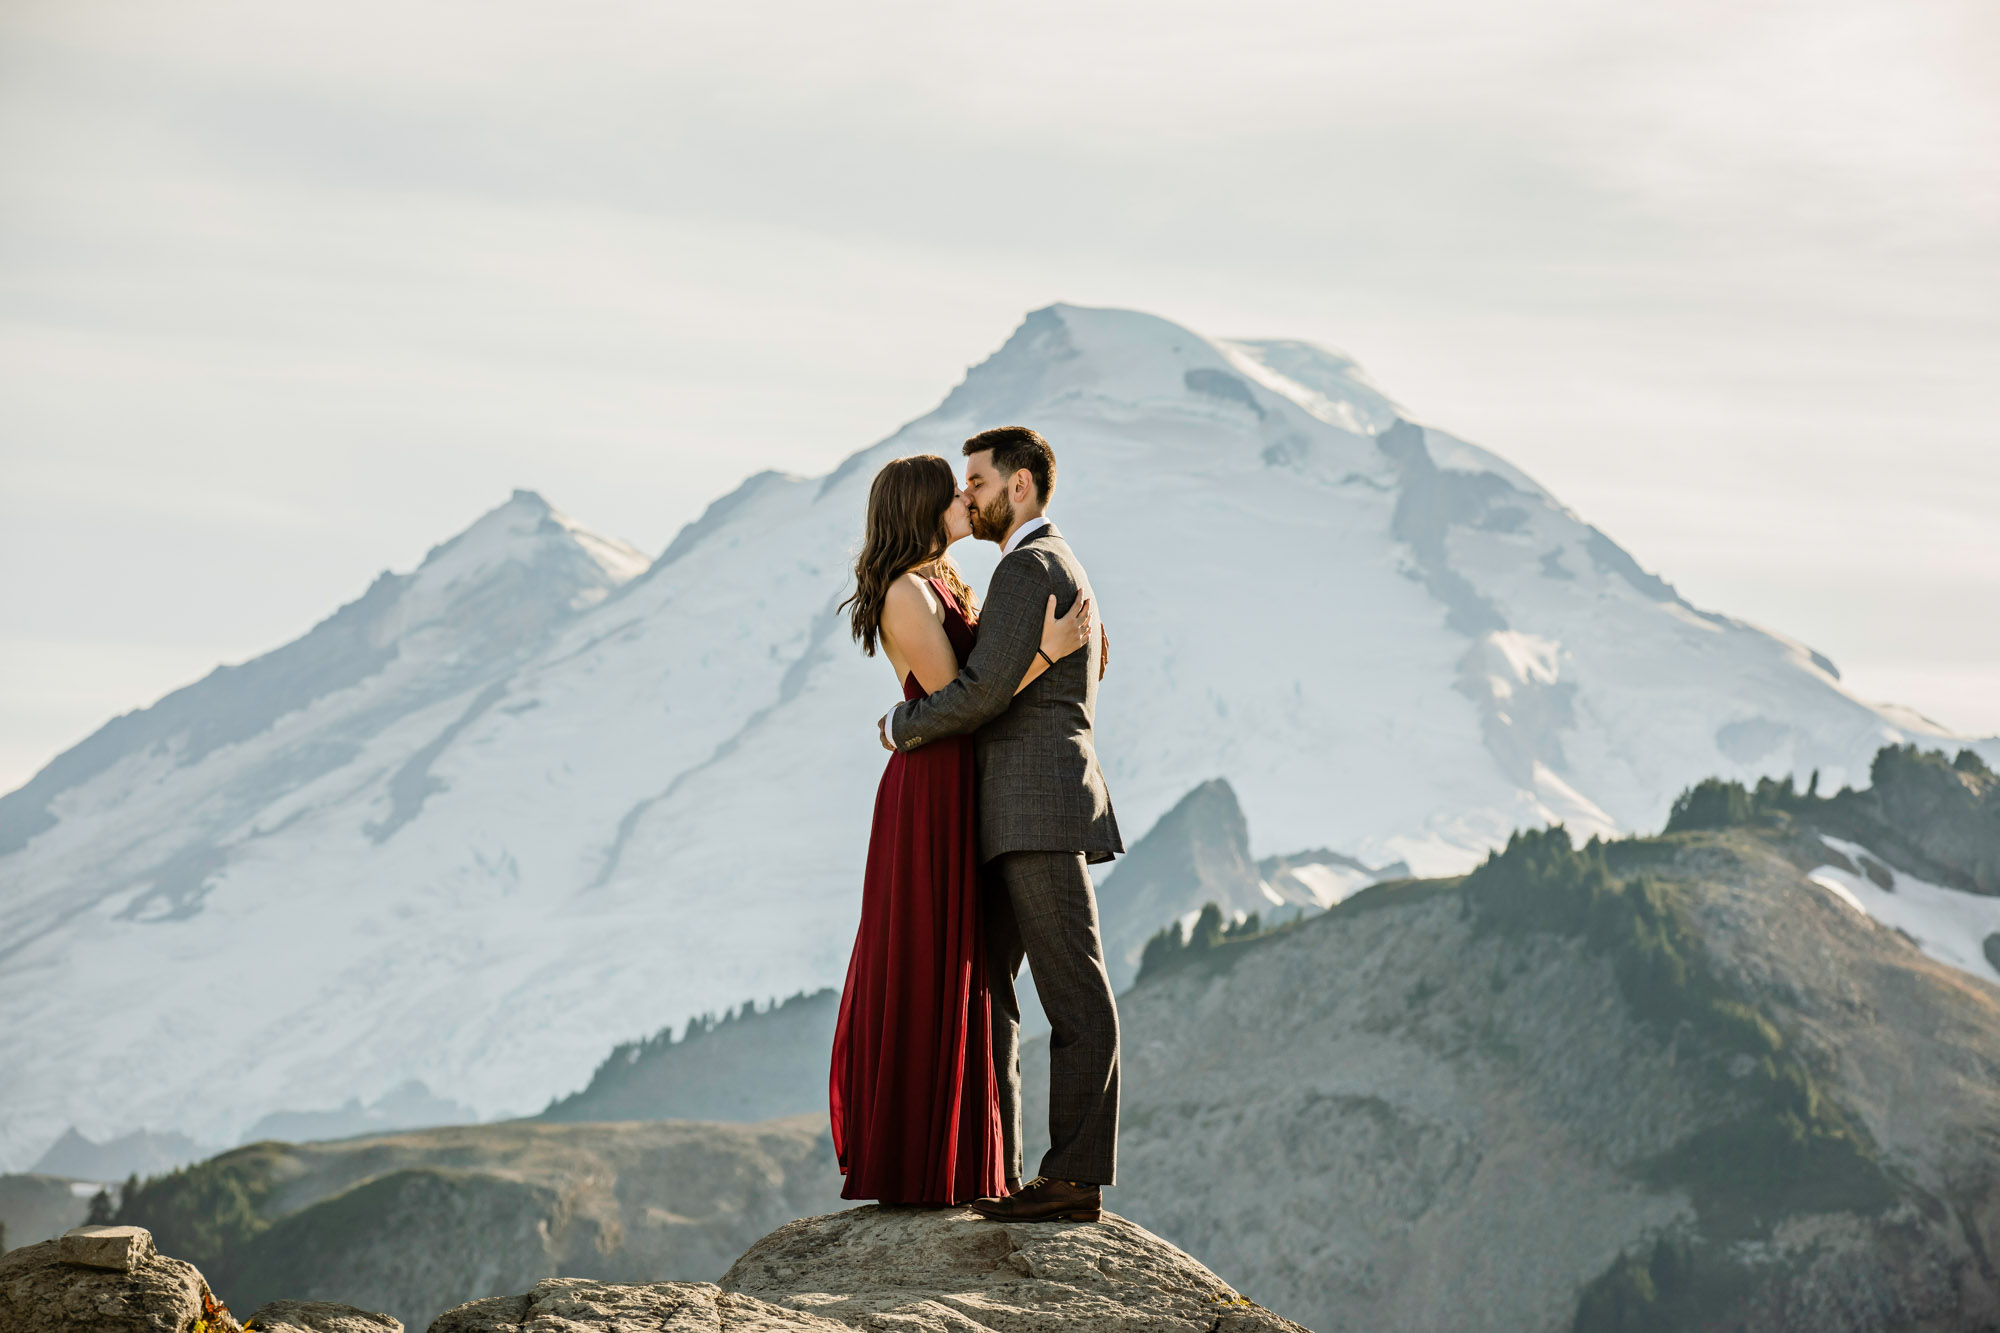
(542, 794)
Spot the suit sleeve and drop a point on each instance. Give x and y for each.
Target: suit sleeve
(1010, 632)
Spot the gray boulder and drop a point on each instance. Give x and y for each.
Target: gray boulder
(318, 1317)
(119, 1248)
(40, 1292)
(925, 1269)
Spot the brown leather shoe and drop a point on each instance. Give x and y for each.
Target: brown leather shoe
(1044, 1200)
(1013, 1184)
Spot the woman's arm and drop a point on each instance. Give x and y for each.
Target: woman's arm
(915, 634)
(1061, 636)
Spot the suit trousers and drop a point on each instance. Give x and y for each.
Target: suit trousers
(1040, 905)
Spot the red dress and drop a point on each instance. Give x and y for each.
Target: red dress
(914, 1104)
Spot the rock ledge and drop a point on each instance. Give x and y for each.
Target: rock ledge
(42, 1291)
(914, 1270)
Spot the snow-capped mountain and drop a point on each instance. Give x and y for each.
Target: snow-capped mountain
(539, 795)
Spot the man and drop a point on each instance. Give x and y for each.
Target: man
(1043, 813)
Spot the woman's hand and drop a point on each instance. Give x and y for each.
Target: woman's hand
(1063, 635)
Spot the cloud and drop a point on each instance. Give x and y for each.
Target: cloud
(345, 275)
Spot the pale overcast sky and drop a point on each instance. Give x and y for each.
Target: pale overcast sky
(290, 292)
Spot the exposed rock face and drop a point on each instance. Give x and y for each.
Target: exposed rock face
(1947, 813)
(318, 1317)
(41, 1293)
(1389, 1118)
(925, 1269)
(580, 1305)
(418, 1222)
(913, 1270)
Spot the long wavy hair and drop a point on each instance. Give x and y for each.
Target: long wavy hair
(906, 529)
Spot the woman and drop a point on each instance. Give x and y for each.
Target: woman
(914, 1106)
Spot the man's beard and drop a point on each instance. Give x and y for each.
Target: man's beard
(991, 521)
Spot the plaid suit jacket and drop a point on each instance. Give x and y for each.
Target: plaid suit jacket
(1040, 788)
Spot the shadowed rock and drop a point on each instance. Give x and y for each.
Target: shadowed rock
(318, 1317)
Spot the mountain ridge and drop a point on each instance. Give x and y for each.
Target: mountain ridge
(548, 819)
(1669, 1083)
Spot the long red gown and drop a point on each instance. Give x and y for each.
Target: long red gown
(913, 1100)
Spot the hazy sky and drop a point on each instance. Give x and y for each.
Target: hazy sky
(291, 292)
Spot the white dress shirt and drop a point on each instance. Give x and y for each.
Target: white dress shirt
(1020, 534)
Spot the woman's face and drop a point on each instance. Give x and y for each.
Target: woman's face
(957, 519)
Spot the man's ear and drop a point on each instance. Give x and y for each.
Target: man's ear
(1023, 489)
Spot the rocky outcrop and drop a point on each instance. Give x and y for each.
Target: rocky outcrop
(317, 1317)
(1944, 815)
(125, 1286)
(581, 1305)
(123, 1249)
(928, 1270)
(915, 1270)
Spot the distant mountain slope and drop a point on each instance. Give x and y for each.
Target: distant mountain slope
(407, 1106)
(1199, 853)
(750, 1065)
(1677, 1086)
(507, 809)
(1917, 850)
(40, 1207)
(141, 1151)
(415, 1223)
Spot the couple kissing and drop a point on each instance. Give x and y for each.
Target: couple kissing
(989, 809)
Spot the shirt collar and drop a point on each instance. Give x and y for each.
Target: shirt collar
(1022, 533)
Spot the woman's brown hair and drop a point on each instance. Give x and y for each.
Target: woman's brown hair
(906, 528)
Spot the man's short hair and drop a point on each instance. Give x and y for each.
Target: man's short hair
(1016, 448)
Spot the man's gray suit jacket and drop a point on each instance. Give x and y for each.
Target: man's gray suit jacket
(1040, 788)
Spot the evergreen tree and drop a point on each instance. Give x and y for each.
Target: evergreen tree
(1162, 951)
(101, 1212)
(1710, 804)
(1207, 931)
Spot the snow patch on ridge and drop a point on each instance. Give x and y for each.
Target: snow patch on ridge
(1947, 924)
